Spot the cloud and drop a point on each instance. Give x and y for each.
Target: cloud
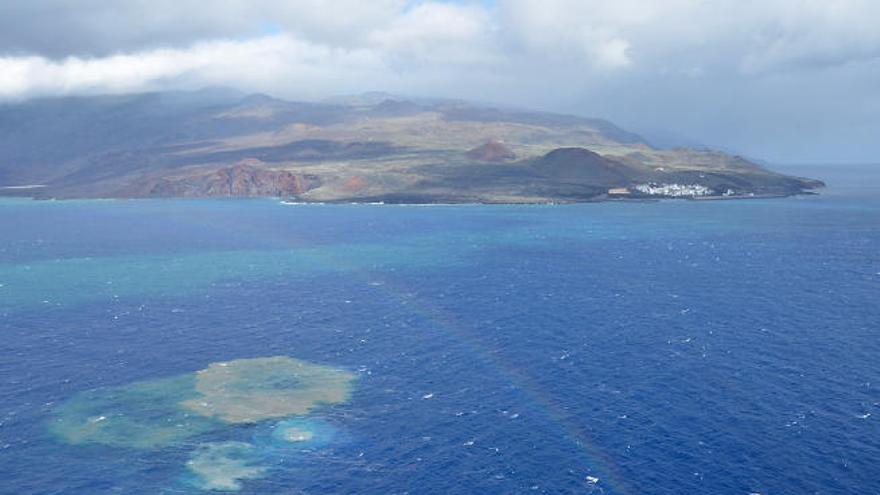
(438, 33)
(258, 64)
(753, 36)
(815, 35)
(744, 36)
(703, 66)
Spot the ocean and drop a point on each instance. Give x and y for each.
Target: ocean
(673, 347)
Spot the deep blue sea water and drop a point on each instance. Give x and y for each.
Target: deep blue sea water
(676, 347)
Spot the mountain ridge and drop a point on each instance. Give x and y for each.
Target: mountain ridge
(214, 143)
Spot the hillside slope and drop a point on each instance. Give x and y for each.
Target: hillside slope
(221, 143)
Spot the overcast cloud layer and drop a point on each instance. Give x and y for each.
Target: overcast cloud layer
(784, 80)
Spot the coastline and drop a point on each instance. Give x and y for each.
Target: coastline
(415, 200)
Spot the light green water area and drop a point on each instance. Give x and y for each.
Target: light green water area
(223, 465)
(165, 412)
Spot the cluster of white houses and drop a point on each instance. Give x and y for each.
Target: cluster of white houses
(666, 190)
(674, 190)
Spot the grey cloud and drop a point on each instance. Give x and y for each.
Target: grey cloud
(89, 28)
(60, 28)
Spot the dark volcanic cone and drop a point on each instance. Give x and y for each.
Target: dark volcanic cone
(585, 167)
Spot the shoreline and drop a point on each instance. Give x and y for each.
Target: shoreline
(439, 202)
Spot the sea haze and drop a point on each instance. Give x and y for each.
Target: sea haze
(724, 347)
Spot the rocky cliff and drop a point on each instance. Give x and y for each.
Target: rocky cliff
(245, 179)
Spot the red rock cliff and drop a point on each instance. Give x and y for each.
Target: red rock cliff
(241, 180)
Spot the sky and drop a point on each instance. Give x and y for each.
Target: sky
(787, 81)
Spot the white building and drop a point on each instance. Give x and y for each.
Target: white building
(674, 190)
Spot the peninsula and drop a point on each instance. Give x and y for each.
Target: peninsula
(367, 148)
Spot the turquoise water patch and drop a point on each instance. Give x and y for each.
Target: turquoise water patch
(143, 415)
(165, 412)
(64, 282)
(81, 280)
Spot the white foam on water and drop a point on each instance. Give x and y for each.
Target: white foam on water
(294, 434)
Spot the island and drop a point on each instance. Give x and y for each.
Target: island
(367, 148)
